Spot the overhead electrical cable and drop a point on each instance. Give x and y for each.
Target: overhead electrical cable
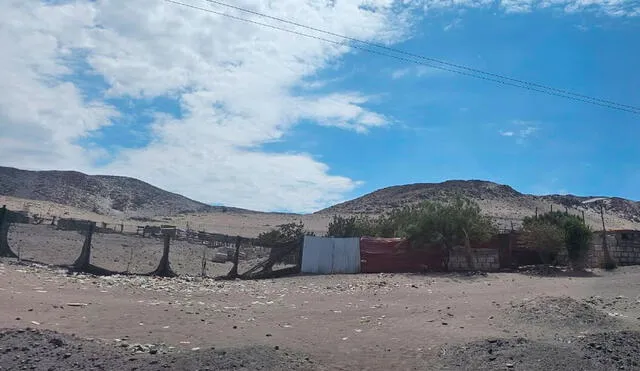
(421, 60)
(399, 51)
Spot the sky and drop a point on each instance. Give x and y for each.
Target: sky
(235, 113)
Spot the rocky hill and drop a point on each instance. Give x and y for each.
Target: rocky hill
(502, 202)
(105, 198)
(101, 194)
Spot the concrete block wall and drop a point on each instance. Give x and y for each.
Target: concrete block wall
(484, 259)
(624, 248)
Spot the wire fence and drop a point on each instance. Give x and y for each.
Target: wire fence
(102, 248)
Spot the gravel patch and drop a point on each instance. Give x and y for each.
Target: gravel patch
(48, 350)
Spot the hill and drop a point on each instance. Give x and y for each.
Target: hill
(115, 199)
(502, 202)
(100, 194)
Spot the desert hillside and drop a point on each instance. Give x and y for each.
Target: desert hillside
(113, 199)
(100, 194)
(502, 202)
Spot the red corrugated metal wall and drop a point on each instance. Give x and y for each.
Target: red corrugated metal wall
(394, 255)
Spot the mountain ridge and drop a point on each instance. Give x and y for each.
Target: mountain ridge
(126, 198)
(101, 194)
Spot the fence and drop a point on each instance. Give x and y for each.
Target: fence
(114, 248)
(104, 249)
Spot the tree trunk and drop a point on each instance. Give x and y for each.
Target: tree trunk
(608, 262)
(164, 268)
(5, 249)
(446, 256)
(204, 260)
(84, 260)
(233, 273)
(468, 252)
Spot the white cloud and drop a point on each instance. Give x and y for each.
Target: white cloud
(233, 82)
(614, 8)
(456, 23)
(521, 130)
(417, 71)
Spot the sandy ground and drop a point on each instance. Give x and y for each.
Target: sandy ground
(342, 322)
(250, 224)
(535, 319)
(120, 252)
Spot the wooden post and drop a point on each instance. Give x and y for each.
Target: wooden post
(536, 213)
(551, 207)
(164, 268)
(512, 226)
(53, 220)
(121, 228)
(233, 273)
(583, 220)
(204, 260)
(608, 262)
(5, 249)
(84, 260)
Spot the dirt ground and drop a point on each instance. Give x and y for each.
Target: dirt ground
(341, 322)
(120, 252)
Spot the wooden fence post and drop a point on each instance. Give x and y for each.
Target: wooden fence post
(84, 260)
(164, 268)
(233, 273)
(5, 249)
(608, 262)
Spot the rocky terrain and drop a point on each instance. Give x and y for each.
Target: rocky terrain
(101, 194)
(497, 321)
(502, 202)
(113, 199)
(35, 349)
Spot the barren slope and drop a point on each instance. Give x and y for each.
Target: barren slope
(113, 199)
(502, 202)
(101, 194)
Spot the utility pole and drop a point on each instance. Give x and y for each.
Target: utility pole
(605, 249)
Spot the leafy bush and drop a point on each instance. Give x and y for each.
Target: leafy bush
(451, 224)
(577, 237)
(543, 235)
(545, 238)
(426, 225)
(283, 234)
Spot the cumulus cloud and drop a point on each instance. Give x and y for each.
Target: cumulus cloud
(616, 8)
(417, 71)
(520, 130)
(232, 81)
(66, 64)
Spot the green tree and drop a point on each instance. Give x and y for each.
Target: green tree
(543, 234)
(353, 226)
(543, 237)
(577, 236)
(445, 224)
(283, 234)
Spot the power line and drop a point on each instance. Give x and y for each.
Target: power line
(490, 77)
(399, 51)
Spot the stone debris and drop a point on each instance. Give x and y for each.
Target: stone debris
(76, 304)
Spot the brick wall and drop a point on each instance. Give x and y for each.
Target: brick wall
(624, 248)
(484, 259)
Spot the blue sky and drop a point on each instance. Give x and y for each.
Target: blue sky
(448, 125)
(231, 113)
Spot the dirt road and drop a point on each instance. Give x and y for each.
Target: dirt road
(341, 322)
